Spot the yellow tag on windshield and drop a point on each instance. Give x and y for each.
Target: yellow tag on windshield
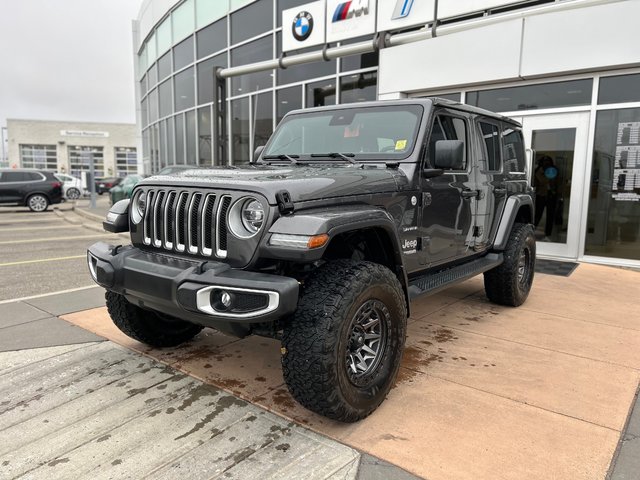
(401, 144)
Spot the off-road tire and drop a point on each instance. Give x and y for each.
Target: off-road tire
(510, 283)
(316, 340)
(147, 326)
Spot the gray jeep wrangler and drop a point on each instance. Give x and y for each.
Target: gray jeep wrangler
(345, 215)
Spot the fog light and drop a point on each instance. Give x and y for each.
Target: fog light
(221, 300)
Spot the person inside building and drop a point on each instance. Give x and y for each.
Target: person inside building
(546, 183)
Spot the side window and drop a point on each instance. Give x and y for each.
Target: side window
(513, 150)
(446, 127)
(13, 177)
(491, 138)
(33, 176)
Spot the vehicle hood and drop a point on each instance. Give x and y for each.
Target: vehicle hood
(303, 182)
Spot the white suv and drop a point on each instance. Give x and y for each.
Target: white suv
(71, 186)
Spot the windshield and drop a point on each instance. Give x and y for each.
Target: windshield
(370, 133)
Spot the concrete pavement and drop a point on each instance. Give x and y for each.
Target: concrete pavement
(541, 391)
(89, 408)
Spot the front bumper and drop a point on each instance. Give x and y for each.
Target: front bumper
(184, 288)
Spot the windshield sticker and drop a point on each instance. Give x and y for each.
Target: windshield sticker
(401, 144)
(352, 132)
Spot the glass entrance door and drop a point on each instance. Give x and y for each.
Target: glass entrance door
(558, 163)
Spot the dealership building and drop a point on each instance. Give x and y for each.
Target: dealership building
(70, 147)
(568, 70)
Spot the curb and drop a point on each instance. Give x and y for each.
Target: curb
(90, 216)
(94, 223)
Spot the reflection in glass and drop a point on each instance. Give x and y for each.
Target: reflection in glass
(183, 20)
(613, 222)
(553, 169)
(251, 21)
(321, 93)
(179, 128)
(184, 90)
(532, 97)
(240, 130)
(455, 97)
(152, 76)
(183, 54)
(256, 51)
(213, 38)
(209, 10)
(164, 66)
(288, 99)
(298, 73)
(360, 87)
(152, 102)
(162, 150)
(206, 79)
(262, 118)
(166, 102)
(191, 137)
(619, 89)
(204, 136)
(171, 154)
(356, 62)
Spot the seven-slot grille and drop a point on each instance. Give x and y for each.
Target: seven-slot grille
(190, 222)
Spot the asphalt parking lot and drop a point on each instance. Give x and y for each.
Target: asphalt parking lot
(44, 252)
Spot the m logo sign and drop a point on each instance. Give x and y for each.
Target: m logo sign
(353, 8)
(402, 10)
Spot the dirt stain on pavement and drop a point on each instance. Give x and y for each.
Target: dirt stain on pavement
(104, 438)
(221, 405)
(412, 361)
(117, 461)
(57, 461)
(283, 399)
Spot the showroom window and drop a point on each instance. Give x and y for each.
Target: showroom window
(251, 21)
(39, 156)
(180, 147)
(191, 137)
(619, 89)
(183, 54)
(262, 118)
(212, 39)
(321, 93)
(256, 51)
(533, 97)
(288, 99)
(126, 161)
(360, 87)
(204, 136)
(164, 66)
(240, 130)
(80, 158)
(184, 89)
(206, 77)
(166, 101)
(613, 223)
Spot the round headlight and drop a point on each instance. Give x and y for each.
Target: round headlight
(139, 204)
(252, 215)
(246, 217)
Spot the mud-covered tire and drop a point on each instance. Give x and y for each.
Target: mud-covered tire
(510, 283)
(339, 300)
(147, 326)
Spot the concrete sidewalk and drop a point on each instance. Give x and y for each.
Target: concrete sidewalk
(542, 391)
(89, 408)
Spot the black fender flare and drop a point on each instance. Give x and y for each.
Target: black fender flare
(333, 222)
(509, 214)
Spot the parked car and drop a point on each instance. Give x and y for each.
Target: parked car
(348, 213)
(175, 169)
(124, 189)
(36, 189)
(107, 183)
(71, 186)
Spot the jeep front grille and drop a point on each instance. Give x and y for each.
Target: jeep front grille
(190, 222)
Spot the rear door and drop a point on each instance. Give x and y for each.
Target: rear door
(447, 214)
(13, 184)
(490, 180)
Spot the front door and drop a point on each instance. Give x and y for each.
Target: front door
(559, 144)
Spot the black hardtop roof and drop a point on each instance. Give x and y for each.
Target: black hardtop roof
(426, 102)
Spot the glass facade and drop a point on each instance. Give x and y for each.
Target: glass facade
(176, 72)
(39, 156)
(613, 224)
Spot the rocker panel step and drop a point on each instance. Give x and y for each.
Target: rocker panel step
(434, 282)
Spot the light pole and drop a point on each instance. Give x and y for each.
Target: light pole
(4, 151)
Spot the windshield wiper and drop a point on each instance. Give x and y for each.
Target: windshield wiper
(344, 156)
(291, 158)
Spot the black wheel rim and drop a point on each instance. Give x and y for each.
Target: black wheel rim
(367, 340)
(524, 267)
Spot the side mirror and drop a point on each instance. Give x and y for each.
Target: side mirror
(256, 154)
(449, 154)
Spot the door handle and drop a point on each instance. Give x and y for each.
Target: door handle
(469, 193)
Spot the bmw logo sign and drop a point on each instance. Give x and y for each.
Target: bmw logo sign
(302, 26)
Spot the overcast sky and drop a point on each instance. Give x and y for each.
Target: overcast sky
(67, 60)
